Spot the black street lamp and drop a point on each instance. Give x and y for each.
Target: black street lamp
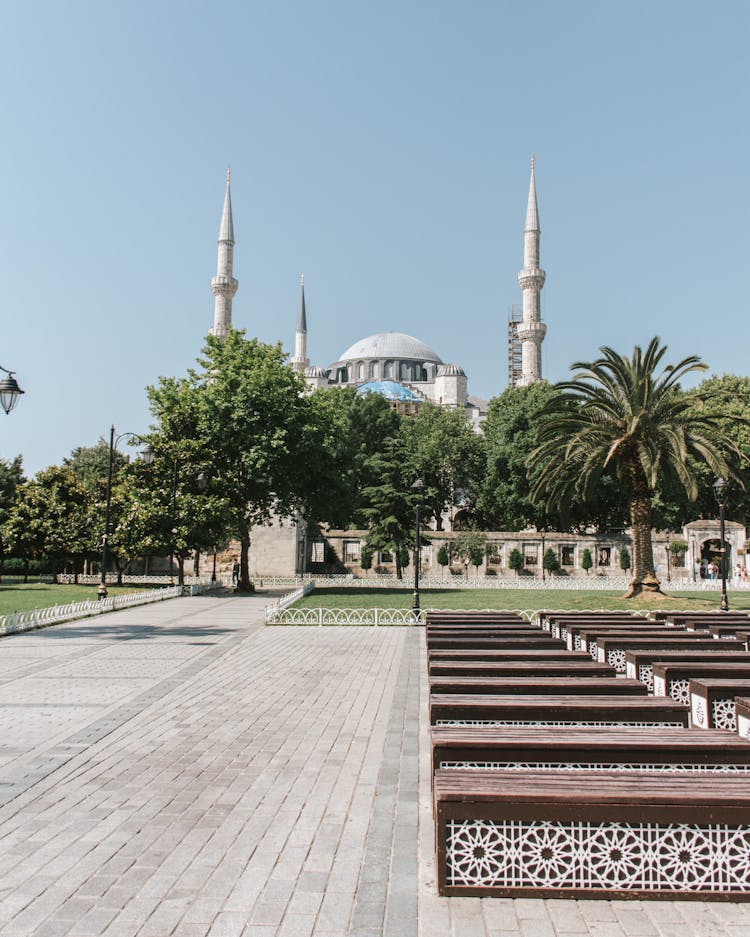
(669, 565)
(417, 488)
(9, 391)
(720, 490)
(147, 454)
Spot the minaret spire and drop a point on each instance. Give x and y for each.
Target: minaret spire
(531, 330)
(224, 285)
(300, 361)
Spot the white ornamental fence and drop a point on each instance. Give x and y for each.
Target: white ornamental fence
(163, 579)
(358, 616)
(42, 617)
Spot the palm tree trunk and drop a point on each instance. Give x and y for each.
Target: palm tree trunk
(644, 576)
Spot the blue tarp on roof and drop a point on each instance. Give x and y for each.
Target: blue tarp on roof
(391, 390)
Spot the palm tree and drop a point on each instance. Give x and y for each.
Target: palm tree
(628, 416)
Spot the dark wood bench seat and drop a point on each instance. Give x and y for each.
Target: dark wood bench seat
(519, 668)
(490, 631)
(460, 616)
(604, 711)
(672, 678)
(712, 702)
(583, 637)
(507, 654)
(611, 650)
(639, 664)
(592, 834)
(559, 627)
(539, 686)
(706, 619)
(580, 748)
(513, 639)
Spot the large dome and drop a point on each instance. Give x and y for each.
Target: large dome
(390, 345)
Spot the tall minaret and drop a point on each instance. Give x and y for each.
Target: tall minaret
(531, 329)
(300, 361)
(224, 285)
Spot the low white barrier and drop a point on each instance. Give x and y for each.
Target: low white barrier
(42, 617)
(357, 616)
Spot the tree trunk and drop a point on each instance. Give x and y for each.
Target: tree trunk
(197, 563)
(25, 570)
(180, 570)
(644, 576)
(244, 584)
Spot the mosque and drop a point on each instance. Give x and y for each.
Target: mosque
(403, 369)
(407, 372)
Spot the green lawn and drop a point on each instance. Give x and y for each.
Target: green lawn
(515, 599)
(22, 597)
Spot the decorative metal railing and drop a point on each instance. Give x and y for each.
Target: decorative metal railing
(86, 580)
(42, 617)
(354, 616)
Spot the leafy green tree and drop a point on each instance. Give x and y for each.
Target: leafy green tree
(50, 519)
(389, 511)
(515, 560)
(624, 559)
(243, 416)
(625, 413)
(506, 501)
(11, 477)
(471, 545)
(586, 560)
(365, 559)
(440, 447)
(442, 556)
(346, 431)
(550, 561)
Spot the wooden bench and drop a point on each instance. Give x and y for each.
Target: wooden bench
(507, 654)
(588, 834)
(513, 639)
(729, 632)
(612, 650)
(639, 664)
(576, 748)
(604, 711)
(705, 619)
(459, 616)
(553, 621)
(583, 637)
(486, 631)
(712, 702)
(519, 668)
(559, 626)
(672, 678)
(538, 686)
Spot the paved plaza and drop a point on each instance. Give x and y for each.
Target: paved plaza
(180, 769)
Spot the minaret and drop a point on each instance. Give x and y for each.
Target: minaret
(224, 285)
(531, 330)
(300, 361)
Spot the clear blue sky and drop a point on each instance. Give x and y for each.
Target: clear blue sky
(382, 149)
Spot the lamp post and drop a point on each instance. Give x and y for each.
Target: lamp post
(417, 488)
(720, 490)
(9, 390)
(543, 569)
(669, 569)
(147, 454)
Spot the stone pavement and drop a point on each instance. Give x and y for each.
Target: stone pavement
(178, 769)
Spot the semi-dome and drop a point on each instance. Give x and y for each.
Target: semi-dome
(451, 370)
(315, 371)
(391, 390)
(394, 345)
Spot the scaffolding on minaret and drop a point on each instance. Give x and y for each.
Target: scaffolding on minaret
(515, 357)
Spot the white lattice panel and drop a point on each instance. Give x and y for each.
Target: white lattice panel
(698, 714)
(598, 856)
(679, 690)
(646, 675)
(616, 659)
(723, 713)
